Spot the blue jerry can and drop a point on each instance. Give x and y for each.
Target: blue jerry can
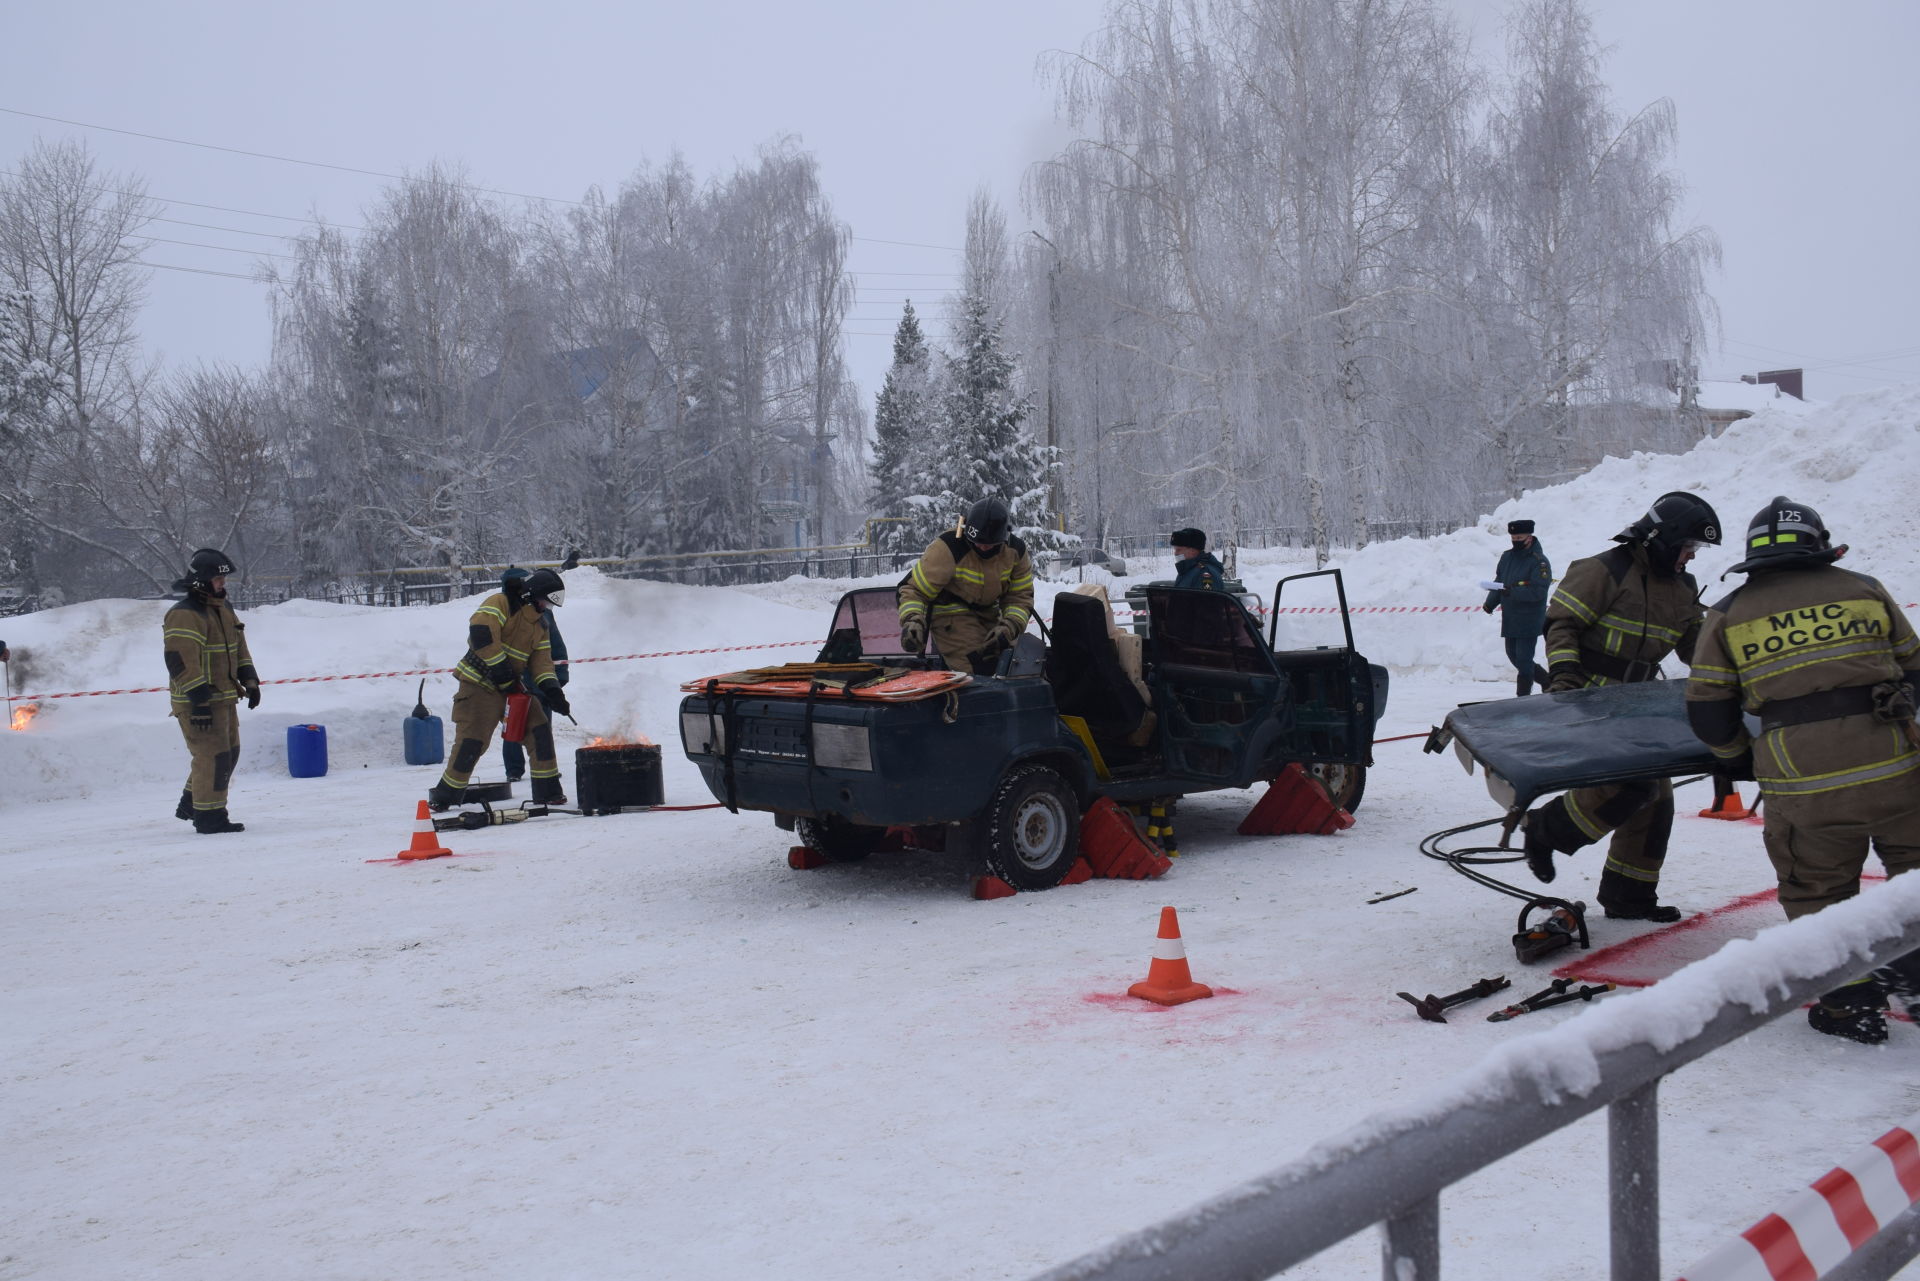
(426, 741)
(307, 751)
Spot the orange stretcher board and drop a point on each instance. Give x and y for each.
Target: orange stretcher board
(904, 688)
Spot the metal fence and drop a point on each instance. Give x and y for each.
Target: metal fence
(1391, 1169)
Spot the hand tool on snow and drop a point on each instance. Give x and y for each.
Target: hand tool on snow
(1430, 1006)
(487, 816)
(1555, 993)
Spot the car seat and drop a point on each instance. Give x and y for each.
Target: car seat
(1084, 669)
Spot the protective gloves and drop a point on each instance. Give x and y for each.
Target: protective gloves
(913, 635)
(1566, 676)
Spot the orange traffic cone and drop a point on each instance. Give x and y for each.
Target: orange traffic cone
(1169, 982)
(1727, 806)
(426, 842)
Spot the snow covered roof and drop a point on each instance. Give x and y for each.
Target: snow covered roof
(1751, 397)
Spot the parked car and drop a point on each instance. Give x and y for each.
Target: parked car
(1063, 564)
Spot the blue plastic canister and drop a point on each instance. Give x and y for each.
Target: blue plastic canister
(307, 751)
(426, 740)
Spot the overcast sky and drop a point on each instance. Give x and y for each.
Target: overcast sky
(1799, 133)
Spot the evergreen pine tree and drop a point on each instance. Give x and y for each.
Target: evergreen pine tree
(903, 431)
(989, 454)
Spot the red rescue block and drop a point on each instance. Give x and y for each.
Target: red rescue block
(1078, 873)
(802, 859)
(992, 887)
(1295, 803)
(1113, 846)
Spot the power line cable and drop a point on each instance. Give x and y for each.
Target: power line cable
(375, 173)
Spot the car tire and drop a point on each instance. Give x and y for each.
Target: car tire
(1031, 828)
(837, 840)
(1345, 784)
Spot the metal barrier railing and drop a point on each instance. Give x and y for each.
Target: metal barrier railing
(1391, 1169)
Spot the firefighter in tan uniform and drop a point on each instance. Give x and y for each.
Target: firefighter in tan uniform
(974, 588)
(1828, 663)
(505, 641)
(209, 669)
(1612, 619)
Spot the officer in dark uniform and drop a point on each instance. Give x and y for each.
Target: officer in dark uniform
(1829, 664)
(1525, 577)
(1612, 619)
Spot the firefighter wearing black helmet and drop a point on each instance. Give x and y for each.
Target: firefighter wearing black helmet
(972, 589)
(1828, 663)
(506, 641)
(1612, 619)
(209, 670)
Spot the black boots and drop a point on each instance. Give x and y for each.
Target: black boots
(547, 791)
(441, 796)
(1539, 847)
(184, 810)
(1626, 899)
(1856, 1012)
(212, 822)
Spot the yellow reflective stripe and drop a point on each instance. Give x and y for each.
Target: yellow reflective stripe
(921, 582)
(1797, 662)
(1639, 627)
(468, 671)
(1557, 655)
(911, 607)
(947, 611)
(547, 773)
(186, 634)
(490, 609)
(1574, 605)
(1628, 870)
(520, 654)
(1592, 830)
(1709, 667)
(1728, 750)
(1021, 583)
(1015, 614)
(1807, 784)
(196, 683)
(966, 575)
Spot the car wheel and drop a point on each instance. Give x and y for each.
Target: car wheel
(1345, 784)
(1031, 828)
(837, 840)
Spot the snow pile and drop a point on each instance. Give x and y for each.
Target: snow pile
(1852, 459)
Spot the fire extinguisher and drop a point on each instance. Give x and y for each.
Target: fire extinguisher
(516, 729)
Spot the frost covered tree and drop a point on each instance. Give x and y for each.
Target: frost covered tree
(985, 449)
(1596, 279)
(904, 429)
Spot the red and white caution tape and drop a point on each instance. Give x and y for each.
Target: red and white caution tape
(1817, 1229)
(430, 671)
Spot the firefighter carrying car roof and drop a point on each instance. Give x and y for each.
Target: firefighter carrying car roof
(975, 586)
(1612, 619)
(507, 641)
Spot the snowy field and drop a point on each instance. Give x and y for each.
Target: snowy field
(642, 1046)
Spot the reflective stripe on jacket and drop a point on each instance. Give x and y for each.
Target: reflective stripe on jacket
(500, 634)
(205, 646)
(995, 587)
(1615, 605)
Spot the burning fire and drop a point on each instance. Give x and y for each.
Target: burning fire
(602, 740)
(23, 715)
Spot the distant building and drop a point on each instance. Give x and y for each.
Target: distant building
(1720, 404)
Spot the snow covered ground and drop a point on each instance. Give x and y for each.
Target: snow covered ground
(642, 1046)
